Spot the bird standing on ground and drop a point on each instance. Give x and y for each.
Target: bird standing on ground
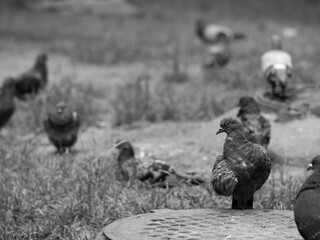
(62, 126)
(7, 105)
(34, 80)
(218, 39)
(243, 167)
(276, 67)
(152, 171)
(257, 127)
(307, 204)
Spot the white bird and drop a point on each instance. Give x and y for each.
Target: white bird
(276, 66)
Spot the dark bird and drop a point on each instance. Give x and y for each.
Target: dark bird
(307, 204)
(62, 127)
(7, 105)
(257, 128)
(151, 171)
(31, 82)
(276, 67)
(216, 34)
(243, 167)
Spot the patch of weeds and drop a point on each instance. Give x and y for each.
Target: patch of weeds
(29, 115)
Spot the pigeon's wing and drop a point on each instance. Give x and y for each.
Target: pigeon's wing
(257, 129)
(251, 163)
(223, 178)
(307, 208)
(265, 130)
(133, 168)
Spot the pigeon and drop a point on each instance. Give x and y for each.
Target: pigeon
(307, 204)
(216, 34)
(218, 56)
(155, 172)
(243, 167)
(257, 127)
(276, 66)
(34, 80)
(7, 105)
(62, 126)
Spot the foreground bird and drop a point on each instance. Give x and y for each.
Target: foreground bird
(62, 127)
(276, 67)
(307, 204)
(7, 105)
(215, 34)
(152, 171)
(34, 80)
(257, 127)
(243, 167)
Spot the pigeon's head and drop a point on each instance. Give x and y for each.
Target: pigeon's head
(42, 57)
(124, 148)
(280, 72)
(315, 163)
(60, 107)
(248, 105)
(41, 61)
(229, 125)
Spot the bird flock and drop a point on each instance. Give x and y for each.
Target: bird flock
(242, 168)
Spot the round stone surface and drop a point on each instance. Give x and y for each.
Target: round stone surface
(199, 224)
(299, 101)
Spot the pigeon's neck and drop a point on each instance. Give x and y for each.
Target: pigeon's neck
(233, 138)
(312, 182)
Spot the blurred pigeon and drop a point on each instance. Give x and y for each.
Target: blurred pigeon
(34, 80)
(151, 171)
(256, 126)
(307, 204)
(7, 105)
(62, 127)
(216, 34)
(243, 167)
(276, 67)
(218, 56)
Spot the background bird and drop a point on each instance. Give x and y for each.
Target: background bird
(307, 204)
(62, 126)
(31, 82)
(218, 39)
(243, 167)
(276, 66)
(217, 56)
(214, 33)
(7, 105)
(152, 171)
(257, 127)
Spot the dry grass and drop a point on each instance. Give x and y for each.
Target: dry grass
(73, 197)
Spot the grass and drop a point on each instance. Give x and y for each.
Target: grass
(73, 197)
(29, 116)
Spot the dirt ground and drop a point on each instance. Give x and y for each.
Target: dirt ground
(190, 146)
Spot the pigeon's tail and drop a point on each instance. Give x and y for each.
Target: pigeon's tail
(239, 36)
(242, 201)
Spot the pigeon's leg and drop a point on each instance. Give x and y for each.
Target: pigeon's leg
(241, 202)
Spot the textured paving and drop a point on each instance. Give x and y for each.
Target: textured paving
(202, 224)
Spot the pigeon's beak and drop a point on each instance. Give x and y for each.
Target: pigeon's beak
(220, 131)
(309, 167)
